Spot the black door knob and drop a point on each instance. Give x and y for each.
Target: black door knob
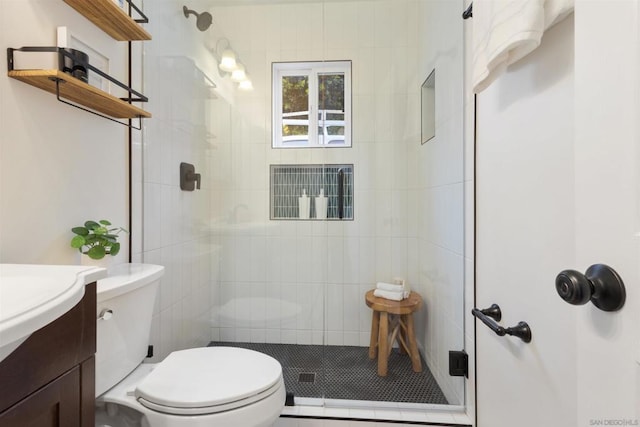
(600, 284)
(573, 287)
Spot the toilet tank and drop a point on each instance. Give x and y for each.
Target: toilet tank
(125, 301)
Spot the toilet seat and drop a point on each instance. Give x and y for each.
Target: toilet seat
(196, 382)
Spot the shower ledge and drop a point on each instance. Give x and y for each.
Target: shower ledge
(249, 227)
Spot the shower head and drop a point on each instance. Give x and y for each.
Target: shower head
(203, 20)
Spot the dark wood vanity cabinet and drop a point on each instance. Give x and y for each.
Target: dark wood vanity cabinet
(50, 379)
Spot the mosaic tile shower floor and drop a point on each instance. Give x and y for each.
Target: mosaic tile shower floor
(346, 372)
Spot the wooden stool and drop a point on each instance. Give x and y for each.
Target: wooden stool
(398, 314)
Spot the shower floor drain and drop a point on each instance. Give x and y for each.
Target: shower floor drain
(307, 377)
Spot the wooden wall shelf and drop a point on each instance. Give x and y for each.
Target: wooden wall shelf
(79, 92)
(109, 17)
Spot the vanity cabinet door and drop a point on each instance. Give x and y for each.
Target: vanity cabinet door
(55, 405)
(49, 380)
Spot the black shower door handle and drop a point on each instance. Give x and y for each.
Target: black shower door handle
(487, 315)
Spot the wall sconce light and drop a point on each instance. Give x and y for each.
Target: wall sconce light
(239, 74)
(245, 85)
(229, 64)
(228, 61)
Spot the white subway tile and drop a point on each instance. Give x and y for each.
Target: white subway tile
(352, 300)
(228, 335)
(258, 336)
(273, 336)
(243, 335)
(351, 260)
(289, 336)
(335, 259)
(368, 260)
(335, 307)
(383, 261)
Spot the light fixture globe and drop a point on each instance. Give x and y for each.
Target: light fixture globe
(228, 61)
(238, 74)
(245, 85)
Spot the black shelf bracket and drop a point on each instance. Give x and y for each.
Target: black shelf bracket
(64, 101)
(133, 95)
(143, 18)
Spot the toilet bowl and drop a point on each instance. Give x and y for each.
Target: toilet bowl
(199, 387)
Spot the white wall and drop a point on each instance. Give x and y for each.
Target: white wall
(607, 168)
(59, 166)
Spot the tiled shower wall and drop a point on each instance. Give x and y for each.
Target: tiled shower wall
(436, 195)
(174, 223)
(279, 277)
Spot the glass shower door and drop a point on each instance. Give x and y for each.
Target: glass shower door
(294, 287)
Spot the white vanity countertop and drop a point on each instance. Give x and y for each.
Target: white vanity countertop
(32, 296)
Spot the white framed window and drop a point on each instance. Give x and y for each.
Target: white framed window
(311, 104)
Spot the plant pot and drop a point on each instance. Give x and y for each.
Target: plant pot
(105, 262)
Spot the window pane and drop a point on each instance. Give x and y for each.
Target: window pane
(312, 104)
(331, 108)
(295, 109)
(331, 91)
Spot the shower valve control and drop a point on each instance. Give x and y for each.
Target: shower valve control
(600, 284)
(189, 179)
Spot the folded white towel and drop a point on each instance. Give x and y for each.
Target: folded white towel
(504, 31)
(389, 287)
(391, 295)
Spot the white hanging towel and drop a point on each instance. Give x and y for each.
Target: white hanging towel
(504, 31)
(556, 10)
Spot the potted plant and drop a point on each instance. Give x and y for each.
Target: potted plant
(97, 239)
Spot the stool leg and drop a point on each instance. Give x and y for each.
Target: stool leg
(394, 326)
(373, 342)
(383, 343)
(403, 335)
(413, 346)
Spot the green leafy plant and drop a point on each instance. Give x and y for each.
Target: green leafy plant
(97, 239)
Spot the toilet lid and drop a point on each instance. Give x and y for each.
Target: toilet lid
(210, 379)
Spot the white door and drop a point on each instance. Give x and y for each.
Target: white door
(557, 188)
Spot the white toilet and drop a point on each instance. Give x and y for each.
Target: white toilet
(200, 387)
